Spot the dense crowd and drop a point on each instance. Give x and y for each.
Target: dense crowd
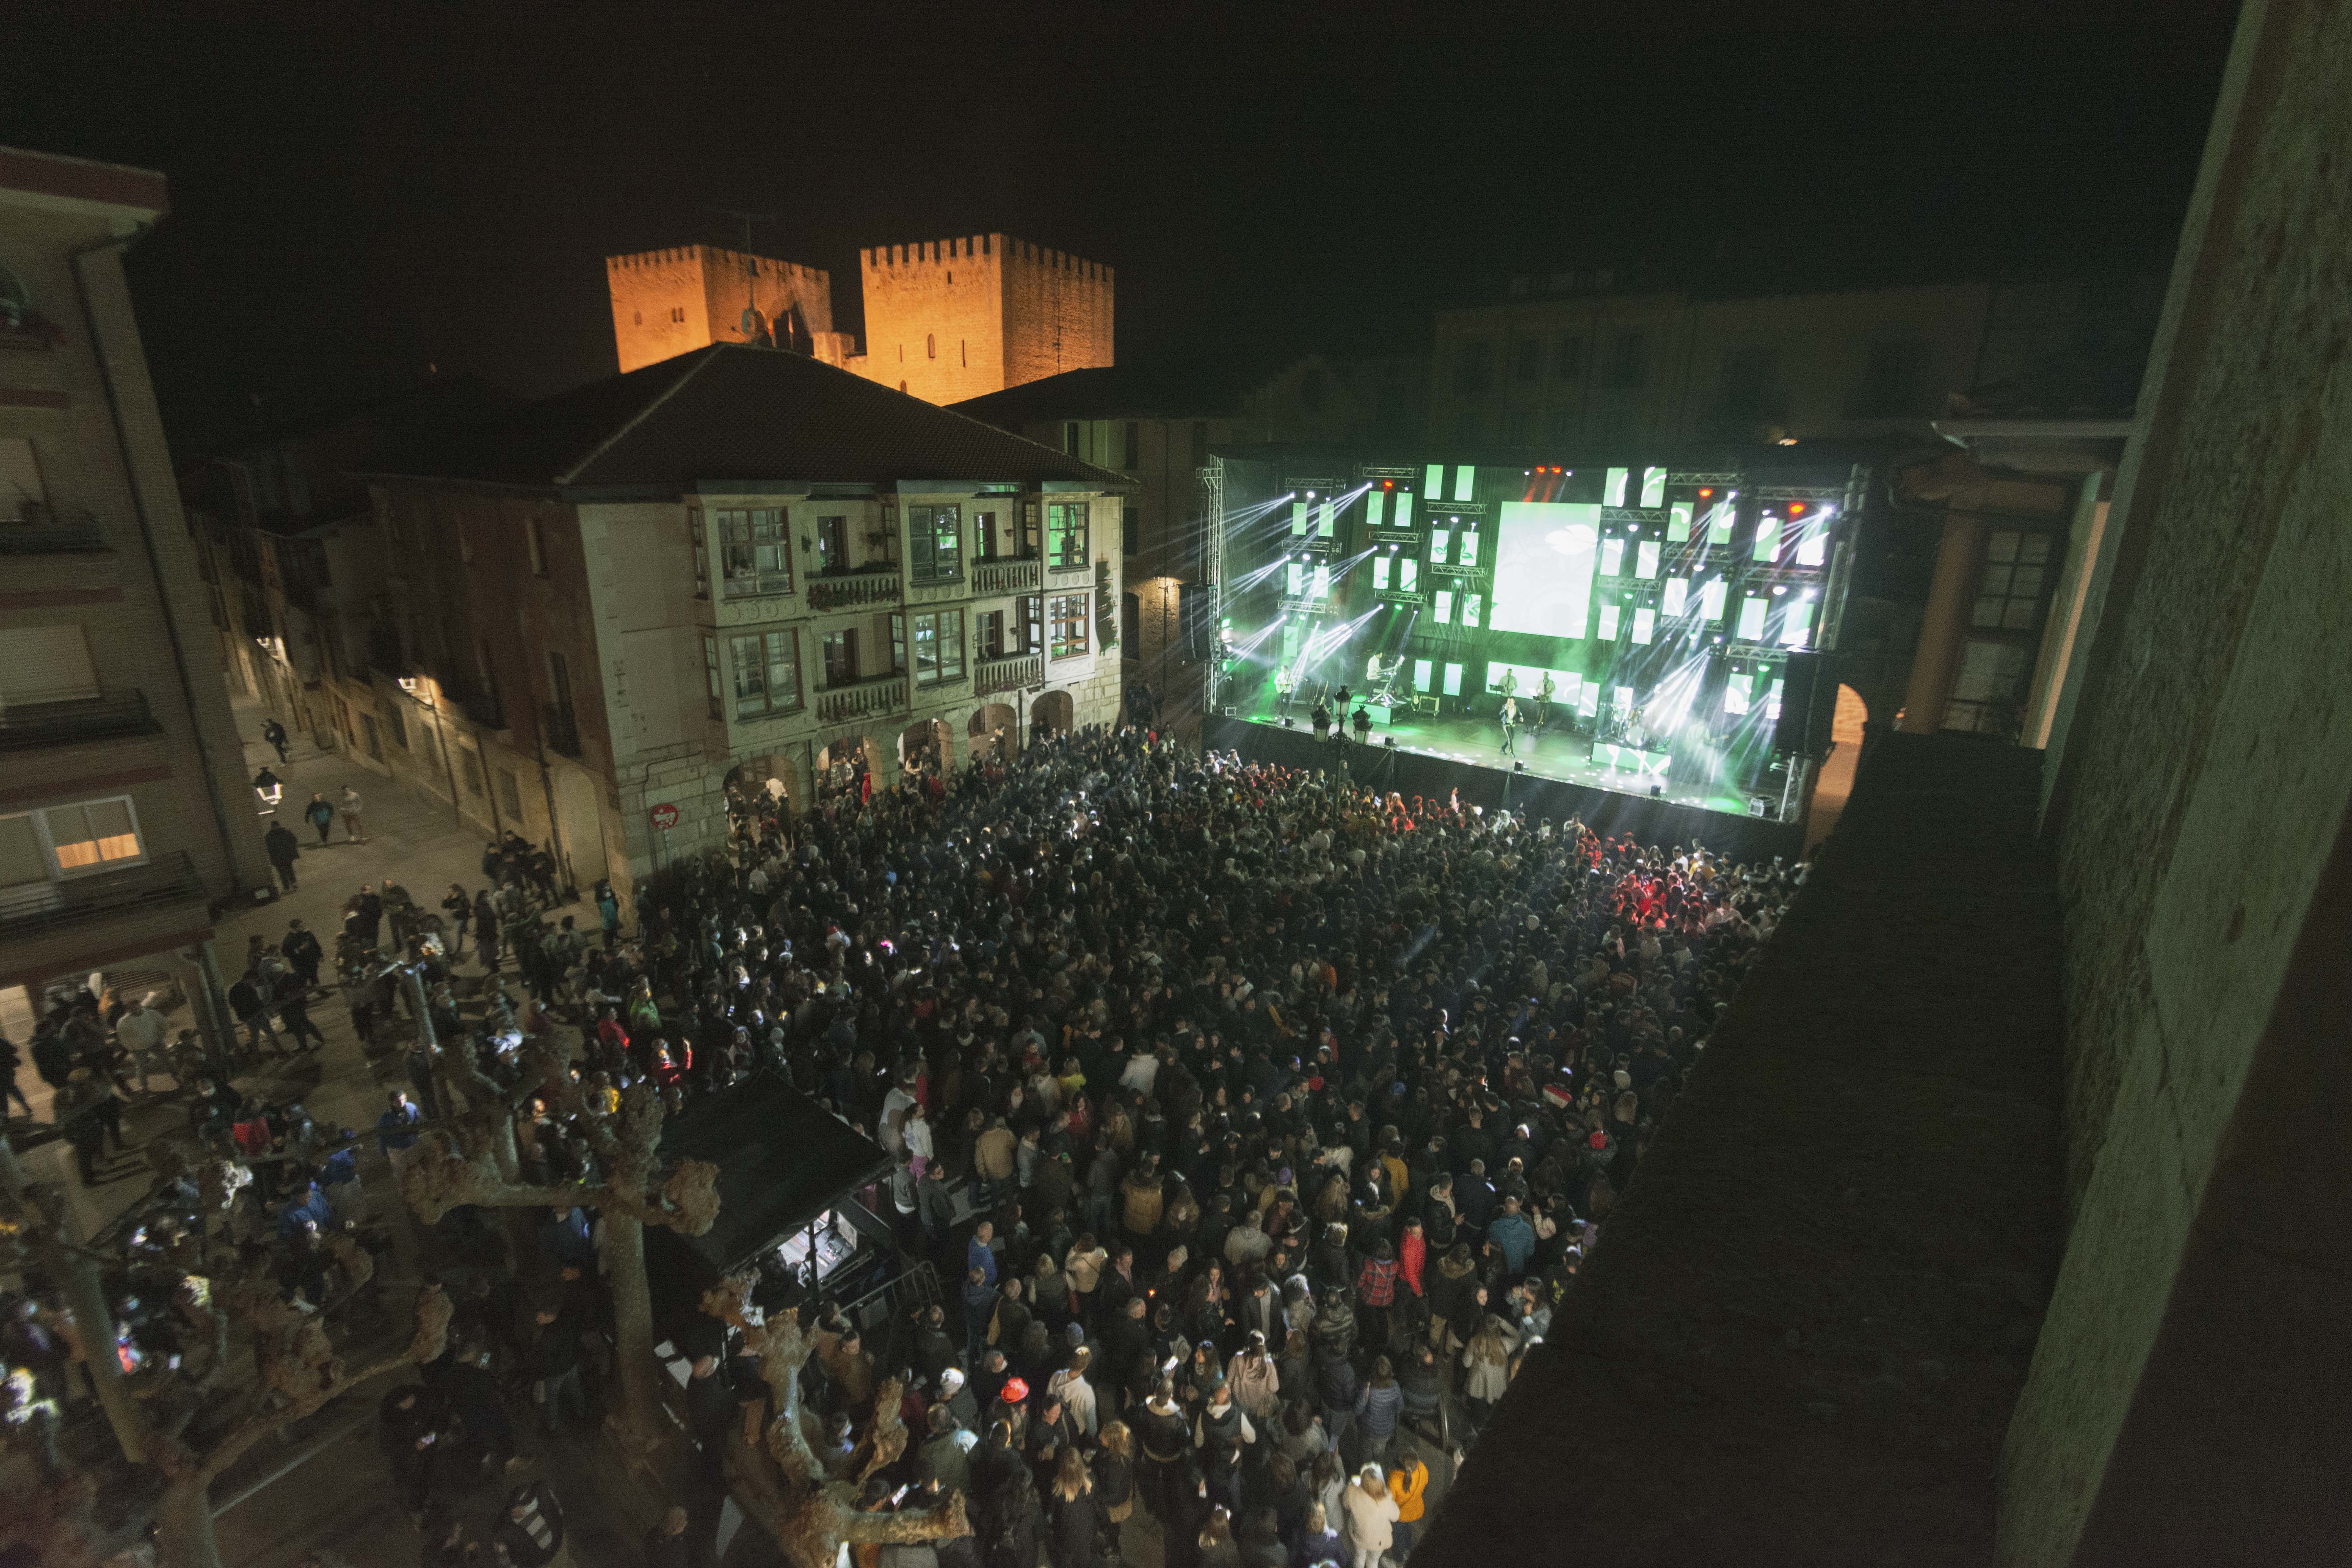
(1253, 1124)
(1256, 1122)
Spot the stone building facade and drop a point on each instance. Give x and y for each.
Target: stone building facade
(734, 567)
(126, 819)
(672, 302)
(952, 319)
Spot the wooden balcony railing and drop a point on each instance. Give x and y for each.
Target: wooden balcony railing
(871, 584)
(991, 579)
(1008, 674)
(874, 694)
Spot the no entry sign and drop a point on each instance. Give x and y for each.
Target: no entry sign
(665, 816)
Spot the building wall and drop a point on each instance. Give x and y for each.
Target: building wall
(706, 286)
(952, 319)
(2183, 1404)
(133, 595)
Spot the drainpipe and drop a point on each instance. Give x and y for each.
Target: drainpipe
(147, 541)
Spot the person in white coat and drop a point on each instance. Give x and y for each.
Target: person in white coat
(1372, 1515)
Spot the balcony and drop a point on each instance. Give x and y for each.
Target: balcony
(1008, 674)
(875, 583)
(34, 725)
(115, 896)
(994, 579)
(559, 728)
(874, 694)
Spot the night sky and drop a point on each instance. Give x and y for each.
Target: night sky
(353, 203)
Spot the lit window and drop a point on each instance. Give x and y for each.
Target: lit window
(93, 836)
(755, 555)
(767, 673)
(1066, 618)
(1066, 534)
(934, 543)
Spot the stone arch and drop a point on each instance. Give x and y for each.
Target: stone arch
(836, 763)
(1835, 781)
(926, 743)
(1051, 714)
(773, 775)
(987, 722)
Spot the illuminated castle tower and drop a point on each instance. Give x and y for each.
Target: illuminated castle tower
(669, 302)
(952, 319)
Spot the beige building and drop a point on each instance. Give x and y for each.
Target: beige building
(733, 566)
(1573, 362)
(126, 819)
(946, 320)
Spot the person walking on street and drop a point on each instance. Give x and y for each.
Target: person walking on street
(353, 829)
(275, 734)
(284, 850)
(459, 907)
(319, 814)
(303, 954)
(294, 1012)
(250, 1005)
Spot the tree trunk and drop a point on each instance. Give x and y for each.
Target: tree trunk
(184, 1524)
(633, 1325)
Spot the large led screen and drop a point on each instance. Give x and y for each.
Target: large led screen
(1543, 568)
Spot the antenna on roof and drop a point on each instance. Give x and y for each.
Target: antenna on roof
(756, 327)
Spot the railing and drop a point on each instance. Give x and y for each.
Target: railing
(559, 728)
(869, 584)
(165, 879)
(992, 578)
(70, 723)
(874, 694)
(1008, 674)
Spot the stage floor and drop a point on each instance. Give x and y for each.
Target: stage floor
(1556, 754)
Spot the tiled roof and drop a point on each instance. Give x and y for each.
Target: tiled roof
(734, 412)
(1182, 389)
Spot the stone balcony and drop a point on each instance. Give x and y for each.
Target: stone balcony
(995, 579)
(875, 694)
(1009, 674)
(873, 584)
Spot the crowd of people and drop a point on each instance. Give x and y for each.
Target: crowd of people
(1253, 1124)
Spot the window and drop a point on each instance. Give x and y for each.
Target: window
(1529, 359)
(985, 544)
(767, 673)
(938, 646)
(1985, 694)
(399, 722)
(678, 313)
(1028, 531)
(473, 761)
(701, 553)
(1130, 530)
(1066, 617)
(710, 674)
(46, 663)
(1471, 369)
(991, 629)
(1567, 359)
(1629, 361)
(1131, 446)
(897, 644)
(1066, 534)
(757, 557)
(535, 533)
(832, 544)
(1032, 607)
(935, 539)
(841, 657)
(69, 841)
(2011, 590)
(509, 794)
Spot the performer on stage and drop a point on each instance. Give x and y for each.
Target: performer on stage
(1510, 724)
(1543, 701)
(1286, 685)
(1509, 685)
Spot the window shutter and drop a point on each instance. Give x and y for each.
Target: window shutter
(45, 664)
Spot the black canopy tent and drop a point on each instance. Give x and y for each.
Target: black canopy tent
(783, 1160)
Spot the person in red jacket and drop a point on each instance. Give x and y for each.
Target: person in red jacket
(1412, 1255)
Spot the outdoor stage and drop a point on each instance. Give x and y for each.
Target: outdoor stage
(1434, 755)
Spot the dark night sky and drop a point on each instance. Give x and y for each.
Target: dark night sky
(356, 199)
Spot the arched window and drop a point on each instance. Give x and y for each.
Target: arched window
(931, 345)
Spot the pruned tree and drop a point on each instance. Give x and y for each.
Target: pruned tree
(783, 1483)
(472, 1158)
